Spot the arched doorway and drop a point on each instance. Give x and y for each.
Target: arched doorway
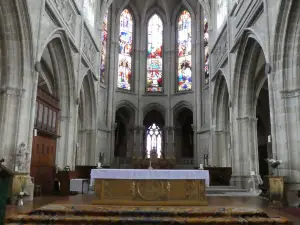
(252, 110)
(221, 124)
(184, 133)
(86, 146)
(51, 146)
(46, 128)
(154, 135)
(124, 120)
(263, 129)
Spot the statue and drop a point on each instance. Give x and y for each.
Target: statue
(205, 160)
(22, 158)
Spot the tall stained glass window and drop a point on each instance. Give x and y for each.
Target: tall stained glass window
(154, 140)
(206, 51)
(184, 51)
(221, 12)
(125, 50)
(89, 11)
(154, 54)
(103, 47)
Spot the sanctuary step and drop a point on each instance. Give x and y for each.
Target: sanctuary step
(228, 191)
(120, 215)
(220, 189)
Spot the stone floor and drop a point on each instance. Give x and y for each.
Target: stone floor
(218, 201)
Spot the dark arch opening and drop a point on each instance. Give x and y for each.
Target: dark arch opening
(263, 130)
(154, 123)
(185, 133)
(122, 120)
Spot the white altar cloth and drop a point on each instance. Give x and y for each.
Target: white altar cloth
(145, 174)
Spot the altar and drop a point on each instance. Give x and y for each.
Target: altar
(150, 187)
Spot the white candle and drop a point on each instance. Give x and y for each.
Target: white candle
(201, 166)
(99, 165)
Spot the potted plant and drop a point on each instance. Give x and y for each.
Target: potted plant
(276, 184)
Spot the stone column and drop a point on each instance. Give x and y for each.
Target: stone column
(196, 154)
(143, 130)
(10, 113)
(136, 140)
(111, 150)
(176, 142)
(245, 157)
(166, 145)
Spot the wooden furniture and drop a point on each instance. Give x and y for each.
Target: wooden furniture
(6, 177)
(219, 176)
(150, 187)
(64, 177)
(156, 163)
(37, 190)
(84, 172)
(276, 190)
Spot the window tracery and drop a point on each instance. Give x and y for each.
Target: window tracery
(206, 51)
(154, 54)
(154, 140)
(125, 50)
(184, 43)
(89, 11)
(221, 12)
(103, 47)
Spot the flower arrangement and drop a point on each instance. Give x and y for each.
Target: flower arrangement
(274, 163)
(22, 193)
(67, 168)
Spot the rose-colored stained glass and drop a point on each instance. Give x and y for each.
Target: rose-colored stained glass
(103, 48)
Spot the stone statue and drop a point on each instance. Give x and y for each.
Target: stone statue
(22, 158)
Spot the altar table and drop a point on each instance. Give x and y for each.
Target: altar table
(150, 187)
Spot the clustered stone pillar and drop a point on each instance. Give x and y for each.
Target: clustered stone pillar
(142, 146)
(247, 151)
(136, 139)
(195, 152)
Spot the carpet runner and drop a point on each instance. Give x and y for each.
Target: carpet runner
(121, 215)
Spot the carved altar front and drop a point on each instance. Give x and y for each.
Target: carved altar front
(150, 192)
(150, 187)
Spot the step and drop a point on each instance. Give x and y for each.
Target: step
(225, 189)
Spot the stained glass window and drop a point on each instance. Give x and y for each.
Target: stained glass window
(221, 12)
(184, 51)
(154, 55)
(89, 11)
(206, 51)
(103, 48)
(154, 140)
(125, 50)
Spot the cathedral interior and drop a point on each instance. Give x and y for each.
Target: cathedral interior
(195, 83)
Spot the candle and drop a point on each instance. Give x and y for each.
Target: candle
(99, 165)
(201, 166)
